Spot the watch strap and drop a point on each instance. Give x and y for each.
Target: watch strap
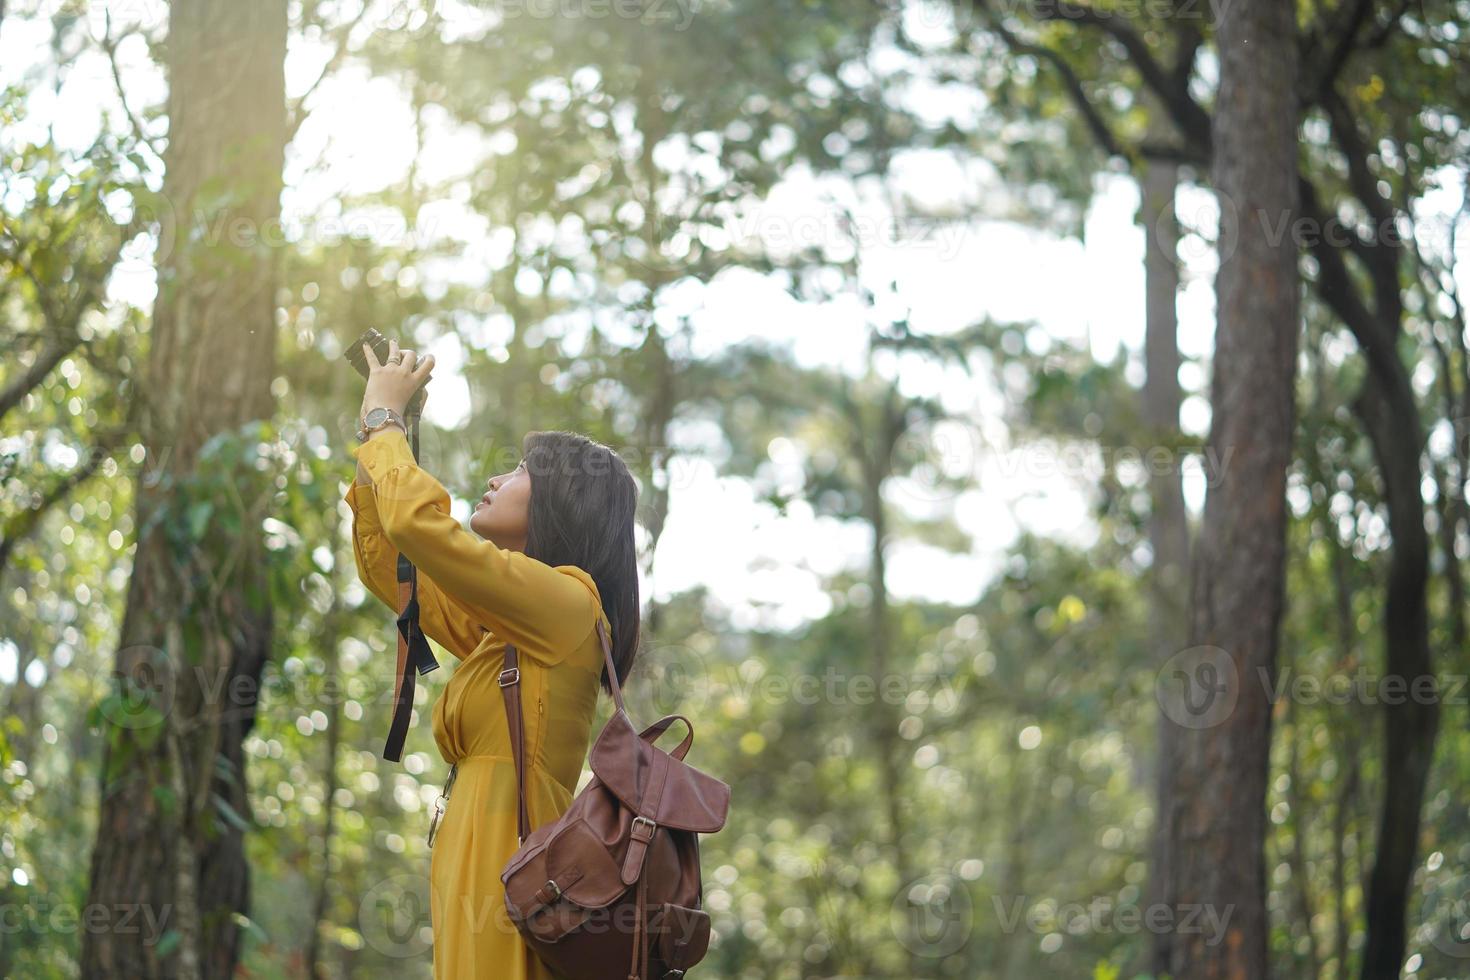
(390, 417)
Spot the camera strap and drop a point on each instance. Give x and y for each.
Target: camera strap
(414, 655)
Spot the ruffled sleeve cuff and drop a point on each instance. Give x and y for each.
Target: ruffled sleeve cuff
(364, 507)
(383, 452)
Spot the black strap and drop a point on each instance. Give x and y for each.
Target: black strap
(413, 648)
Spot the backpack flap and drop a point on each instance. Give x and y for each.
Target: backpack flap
(654, 784)
(576, 877)
(680, 935)
(577, 859)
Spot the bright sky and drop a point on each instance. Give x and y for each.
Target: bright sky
(767, 569)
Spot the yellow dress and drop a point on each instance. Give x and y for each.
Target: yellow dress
(473, 597)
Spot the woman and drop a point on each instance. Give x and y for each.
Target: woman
(557, 553)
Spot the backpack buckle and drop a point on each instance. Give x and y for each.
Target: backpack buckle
(643, 820)
(515, 677)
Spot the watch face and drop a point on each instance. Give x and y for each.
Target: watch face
(376, 417)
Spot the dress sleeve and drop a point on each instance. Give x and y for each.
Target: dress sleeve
(446, 622)
(545, 611)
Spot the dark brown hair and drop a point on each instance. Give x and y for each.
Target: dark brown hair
(583, 501)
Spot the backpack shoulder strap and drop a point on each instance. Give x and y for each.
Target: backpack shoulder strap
(510, 681)
(510, 688)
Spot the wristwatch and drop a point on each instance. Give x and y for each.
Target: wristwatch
(376, 419)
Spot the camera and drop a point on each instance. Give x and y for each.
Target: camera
(379, 345)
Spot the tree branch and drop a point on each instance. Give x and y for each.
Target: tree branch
(1335, 285)
(50, 356)
(1386, 28)
(1191, 119)
(109, 45)
(20, 526)
(1340, 50)
(297, 109)
(63, 323)
(1379, 254)
(1070, 81)
(1171, 87)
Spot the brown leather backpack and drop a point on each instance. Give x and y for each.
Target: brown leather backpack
(616, 879)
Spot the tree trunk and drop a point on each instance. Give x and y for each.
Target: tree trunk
(1411, 711)
(874, 432)
(332, 688)
(1011, 953)
(1301, 881)
(1388, 409)
(1168, 527)
(884, 716)
(169, 863)
(1216, 833)
(658, 380)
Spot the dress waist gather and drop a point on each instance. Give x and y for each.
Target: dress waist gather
(534, 767)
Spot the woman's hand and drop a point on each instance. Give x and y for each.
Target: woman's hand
(391, 384)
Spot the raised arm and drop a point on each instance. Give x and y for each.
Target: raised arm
(545, 611)
(446, 622)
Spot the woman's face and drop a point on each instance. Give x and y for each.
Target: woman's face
(503, 515)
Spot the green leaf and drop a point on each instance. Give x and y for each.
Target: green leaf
(230, 814)
(199, 518)
(166, 797)
(168, 942)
